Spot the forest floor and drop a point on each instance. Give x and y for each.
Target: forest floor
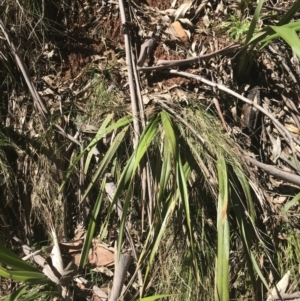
(76, 57)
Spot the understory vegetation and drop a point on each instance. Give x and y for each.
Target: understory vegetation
(149, 150)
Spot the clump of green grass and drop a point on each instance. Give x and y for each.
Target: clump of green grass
(235, 27)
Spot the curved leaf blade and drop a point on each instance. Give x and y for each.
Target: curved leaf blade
(16, 294)
(106, 160)
(92, 225)
(11, 259)
(290, 36)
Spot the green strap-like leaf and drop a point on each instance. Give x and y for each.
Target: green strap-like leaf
(158, 235)
(182, 175)
(170, 139)
(289, 15)
(100, 134)
(290, 204)
(247, 192)
(145, 140)
(222, 266)
(97, 137)
(24, 276)
(92, 225)
(246, 223)
(129, 172)
(16, 294)
(254, 21)
(134, 161)
(106, 160)
(164, 175)
(11, 259)
(290, 36)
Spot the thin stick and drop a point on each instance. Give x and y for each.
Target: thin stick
(134, 102)
(36, 97)
(288, 135)
(68, 136)
(165, 64)
(283, 175)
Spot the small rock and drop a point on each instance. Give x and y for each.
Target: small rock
(180, 32)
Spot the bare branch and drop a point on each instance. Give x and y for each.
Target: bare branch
(36, 97)
(134, 102)
(283, 175)
(146, 49)
(287, 135)
(165, 64)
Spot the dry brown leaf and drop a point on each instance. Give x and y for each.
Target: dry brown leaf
(48, 54)
(50, 80)
(220, 8)
(206, 21)
(279, 200)
(103, 270)
(47, 91)
(99, 255)
(96, 298)
(146, 99)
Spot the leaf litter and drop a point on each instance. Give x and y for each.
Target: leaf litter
(69, 71)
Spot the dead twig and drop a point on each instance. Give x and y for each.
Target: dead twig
(63, 132)
(217, 105)
(280, 174)
(286, 134)
(165, 64)
(36, 97)
(134, 101)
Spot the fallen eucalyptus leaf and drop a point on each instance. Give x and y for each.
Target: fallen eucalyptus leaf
(182, 10)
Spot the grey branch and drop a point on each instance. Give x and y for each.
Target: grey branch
(287, 135)
(146, 49)
(166, 64)
(121, 269)
(280, 174)
(132, 88)
(36, 97)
